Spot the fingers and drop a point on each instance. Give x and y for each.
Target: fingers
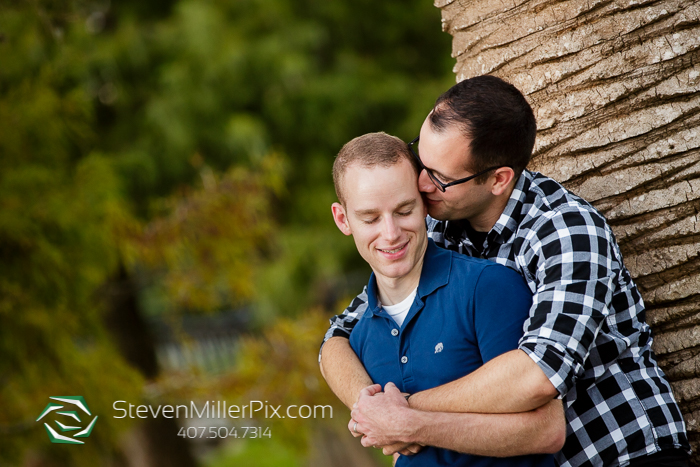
(391, 388)
(354, 428)
(412, 449)
(404, 452)
(367, 392)
(368, 442)
(389, 449)
(401, 448)
(370, 390)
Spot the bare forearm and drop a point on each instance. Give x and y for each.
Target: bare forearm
(343, 371)
(498, 435)
(509, 383)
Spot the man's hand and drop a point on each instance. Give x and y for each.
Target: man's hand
(381, 417)
(406, 449)
(353, 425)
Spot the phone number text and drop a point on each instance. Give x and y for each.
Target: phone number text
(250, 432)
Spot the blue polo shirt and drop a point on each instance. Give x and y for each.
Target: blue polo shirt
(466, 312)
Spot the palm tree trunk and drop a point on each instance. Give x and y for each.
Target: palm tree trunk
(614, 86)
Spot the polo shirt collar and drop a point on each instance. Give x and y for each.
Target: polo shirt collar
(437, 264)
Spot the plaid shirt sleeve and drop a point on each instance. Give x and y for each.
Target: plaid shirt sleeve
(570, 259)
(342, 324)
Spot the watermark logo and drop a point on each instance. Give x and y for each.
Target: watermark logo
(69, 418)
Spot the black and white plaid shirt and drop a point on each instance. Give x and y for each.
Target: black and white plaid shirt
(586, 329)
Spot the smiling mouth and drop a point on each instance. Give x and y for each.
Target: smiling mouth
(395, 250)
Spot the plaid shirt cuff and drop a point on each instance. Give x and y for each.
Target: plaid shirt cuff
(555, 362)
(342, 324)
(332, 332)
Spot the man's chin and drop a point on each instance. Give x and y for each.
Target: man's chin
(395, 271)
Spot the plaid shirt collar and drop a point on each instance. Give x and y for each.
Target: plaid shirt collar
(506, 225)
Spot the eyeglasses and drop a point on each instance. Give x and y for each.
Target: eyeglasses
(438, 184)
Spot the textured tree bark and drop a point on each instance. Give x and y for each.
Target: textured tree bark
(614, 86)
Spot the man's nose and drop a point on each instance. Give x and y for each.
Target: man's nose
(425, 185)
(391, 230)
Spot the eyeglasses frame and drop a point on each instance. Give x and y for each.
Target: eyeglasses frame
(438, 184)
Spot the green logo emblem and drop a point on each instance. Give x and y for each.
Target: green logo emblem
(68, 420)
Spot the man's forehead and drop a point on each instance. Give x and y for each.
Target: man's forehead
(451, 132)
(357, 174)
(369, 187)
(444, 148)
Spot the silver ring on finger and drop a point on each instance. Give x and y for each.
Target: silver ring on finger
(354, 428)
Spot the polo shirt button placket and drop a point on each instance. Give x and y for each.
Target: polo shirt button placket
(394, 332)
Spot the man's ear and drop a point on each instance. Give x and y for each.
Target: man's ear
(341, 218)
(502, 178)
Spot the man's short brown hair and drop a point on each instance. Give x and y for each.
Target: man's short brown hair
(370, 150)
(496, 119)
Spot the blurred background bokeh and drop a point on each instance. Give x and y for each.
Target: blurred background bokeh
(165, 227)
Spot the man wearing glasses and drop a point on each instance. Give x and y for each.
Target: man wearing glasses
(432, 316)
(585, 340)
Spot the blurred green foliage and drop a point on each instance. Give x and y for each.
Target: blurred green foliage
(192, 141)
(261, 453)
(202, 250)
(60, 205)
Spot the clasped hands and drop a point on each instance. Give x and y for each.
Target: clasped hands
(382, 419)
